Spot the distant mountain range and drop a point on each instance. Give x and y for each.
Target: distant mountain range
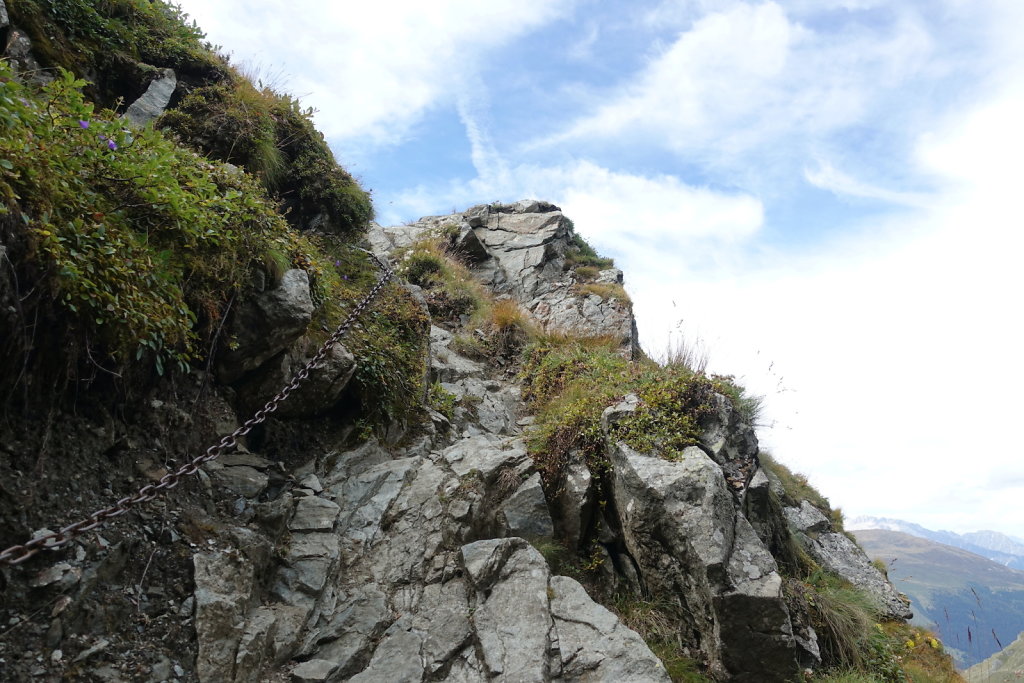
(975, 604)
(1006, 550)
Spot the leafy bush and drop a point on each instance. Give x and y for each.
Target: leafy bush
(105, 38)
(139, 239)
(271, 136)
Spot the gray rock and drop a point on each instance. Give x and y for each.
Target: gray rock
(317, 394)
(573, 504)
(446, 365)
(484, 456)
(19, 52)
(314, 514)
(266, 325)
(469, 246)
(512, 620)
(680, 524)
(154, 101)
(526, 513)
(807, 519)
(477, 215)
(4, 20)
(248, 459)
(313, 671)
(840, 555)
(224, 584)
(593, 643)
(613, 414)
(242, 479)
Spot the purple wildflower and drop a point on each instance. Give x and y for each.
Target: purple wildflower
(112, 145)
(83, 124)
(337, 263)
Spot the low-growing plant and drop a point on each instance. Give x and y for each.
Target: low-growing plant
(452, 293)
(795, 486)
(656, 622)
(142, 242)
(580, 253)
(570, 381)
(442, 400)
(604, 290)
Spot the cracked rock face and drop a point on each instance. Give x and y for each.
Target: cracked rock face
(422, 561)
(519, 250)
(839, 554)
(382, 579)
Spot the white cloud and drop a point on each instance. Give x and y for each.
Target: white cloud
(371, 68)
(828, 177)
(747, 78)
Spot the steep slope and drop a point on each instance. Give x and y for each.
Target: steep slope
(975, 604)
(1003, 667)
(467, 471)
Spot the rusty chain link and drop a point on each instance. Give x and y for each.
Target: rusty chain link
(19, 553)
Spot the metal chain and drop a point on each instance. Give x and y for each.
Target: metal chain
(19, 553)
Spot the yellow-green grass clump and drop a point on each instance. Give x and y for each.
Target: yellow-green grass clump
(569, 381)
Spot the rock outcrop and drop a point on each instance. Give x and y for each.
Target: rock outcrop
(431, 557)
(519, 250)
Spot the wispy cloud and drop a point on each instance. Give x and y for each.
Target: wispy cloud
(742, 80)
(827, 177)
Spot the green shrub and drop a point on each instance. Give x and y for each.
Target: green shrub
(389, 340)
(139, 239)
(271, 136)
(580, 253)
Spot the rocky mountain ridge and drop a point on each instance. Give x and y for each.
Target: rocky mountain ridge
(435, 502)
(366, 554)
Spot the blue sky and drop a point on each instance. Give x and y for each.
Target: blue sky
(822, 193)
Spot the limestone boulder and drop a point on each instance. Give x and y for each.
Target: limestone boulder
(266, 325)
(679, 522)
(839, 554)
(154, 101)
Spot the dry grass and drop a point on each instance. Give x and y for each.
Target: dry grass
(605, 290)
